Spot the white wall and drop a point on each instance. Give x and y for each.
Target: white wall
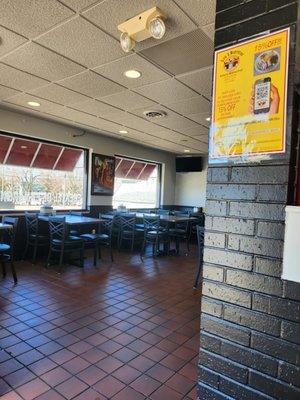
(190, 189)
(18, 123)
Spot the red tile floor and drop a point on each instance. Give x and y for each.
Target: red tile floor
(124, 330)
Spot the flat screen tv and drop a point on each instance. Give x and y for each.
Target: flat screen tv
(188, 164)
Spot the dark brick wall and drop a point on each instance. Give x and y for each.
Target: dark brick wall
(250, 331)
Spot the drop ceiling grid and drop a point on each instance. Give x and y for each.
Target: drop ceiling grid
(49, 77)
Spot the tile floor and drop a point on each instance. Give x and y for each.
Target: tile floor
(123, 331)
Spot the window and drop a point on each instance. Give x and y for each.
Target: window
(137, 183)
(33, 173)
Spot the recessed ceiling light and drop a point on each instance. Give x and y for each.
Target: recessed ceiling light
(187, 150)
(132, 74)
(207, 119)
(123, 131)
(33, 103)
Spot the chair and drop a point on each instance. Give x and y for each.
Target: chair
(75, 232)
(153, 234)
(200, 241)
(129, 230)
(102, 237)
(7, 249)
(163, 212)
(33, 237)
(63, 243)
(181, 231)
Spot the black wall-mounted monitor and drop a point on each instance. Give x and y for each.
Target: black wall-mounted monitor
(188, 164)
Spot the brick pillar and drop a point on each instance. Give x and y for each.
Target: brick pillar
(250, 332)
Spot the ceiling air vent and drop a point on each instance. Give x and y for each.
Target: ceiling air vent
(155, 114)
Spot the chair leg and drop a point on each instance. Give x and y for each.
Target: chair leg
(196, 283)
(177, 245)
(3, 269)
(14, 273)
(111, 252)
(95, 254)
(132, 243)
(188, 244)
(143, 248)
(48, 258)
(61, 258)
(25, 250)
(34, 253)
(81, 256)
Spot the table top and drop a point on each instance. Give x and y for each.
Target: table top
(168, 218)
(165, 218)
(73, 219)
(5, 226)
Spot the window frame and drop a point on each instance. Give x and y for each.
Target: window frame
(86, 152)
(159, 175)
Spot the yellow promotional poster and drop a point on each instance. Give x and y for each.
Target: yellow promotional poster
(249, 99)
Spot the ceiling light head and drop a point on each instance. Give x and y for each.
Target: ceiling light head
(33, 103)
(157, 28)
(123, 131)
(132, 74)
(187, 151)
(127, 43)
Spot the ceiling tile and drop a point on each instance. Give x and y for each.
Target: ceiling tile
(80, 117)
(197, 131)
(166, 91)
(202, 12)
(79, 5)
(95, 107)
(202, 138)
(115, 71)
(128, 100)
(19, 80)
(186, 53)
(179, 123)
(42, 62)
(58, 94)
(191, 106)
(200, 80)
(82, 42)
(32, 17)
(9, 40)
(201, 118)
(109, 14)
(91, 84)
(6, 92)
(45, 105)
(168, 134)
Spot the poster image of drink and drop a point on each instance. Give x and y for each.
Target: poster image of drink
(103, 175)
(249, 99)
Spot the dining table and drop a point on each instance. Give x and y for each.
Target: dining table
(4, 227)
(72, 219)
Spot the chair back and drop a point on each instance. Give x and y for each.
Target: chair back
(76, 213)
(151, 222)
(10, 234)
(127, 222)
(107, 223)
(32, 223)
(200, 240)
(163, 212)
(57, 228)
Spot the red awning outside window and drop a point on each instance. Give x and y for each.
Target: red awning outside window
(132, 169)
(31, 153)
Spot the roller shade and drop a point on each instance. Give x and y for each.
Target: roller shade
(133, 169)
(32, 153)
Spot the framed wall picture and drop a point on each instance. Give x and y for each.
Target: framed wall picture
(103, 175)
